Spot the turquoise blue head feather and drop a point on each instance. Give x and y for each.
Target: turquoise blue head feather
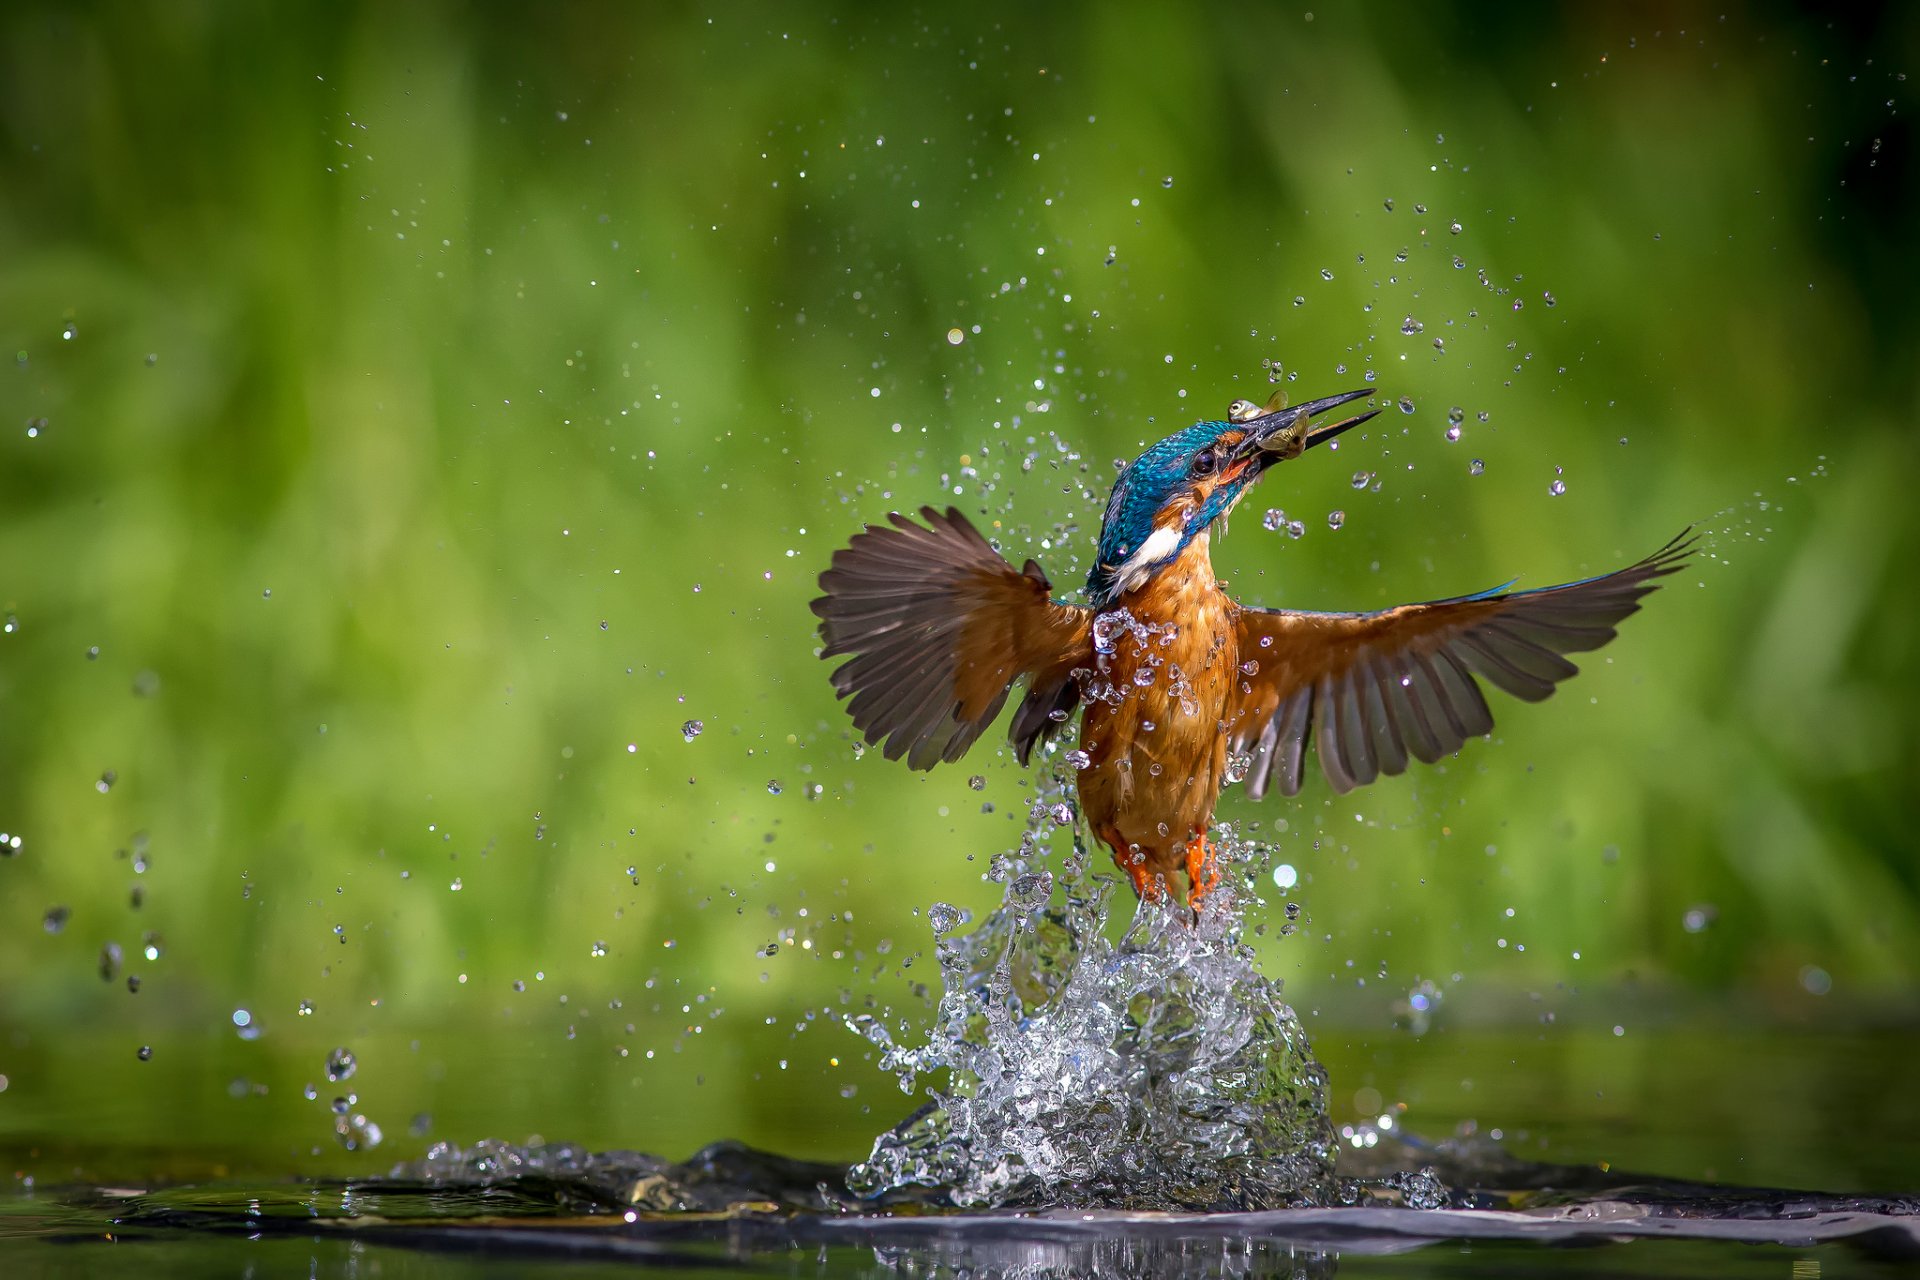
(1173, 493)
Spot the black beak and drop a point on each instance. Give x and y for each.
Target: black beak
(1287, 433)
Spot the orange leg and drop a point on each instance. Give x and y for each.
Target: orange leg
(1203, 870)
(1148, 885)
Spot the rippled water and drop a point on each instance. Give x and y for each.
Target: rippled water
(1094, 1106)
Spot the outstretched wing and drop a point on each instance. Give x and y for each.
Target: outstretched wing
(1369, 688)
(939, 627)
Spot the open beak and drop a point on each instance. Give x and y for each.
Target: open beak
(1283, 434)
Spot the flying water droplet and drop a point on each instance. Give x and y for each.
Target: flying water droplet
(1361, 479)
(692, 729)
(1336, 518)
(1557, 488)
(341, 1065)
(1476, 467)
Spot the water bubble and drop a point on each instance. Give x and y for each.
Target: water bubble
(55, 919)
(692, 729)
(1476, 467)
(1699, 919)
(1336, 518)
(341, 1065)
(1815, 980)
(956, 336)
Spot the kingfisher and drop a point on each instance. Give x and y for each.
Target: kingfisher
(1181, 689)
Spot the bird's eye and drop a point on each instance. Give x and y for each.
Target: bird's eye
(1203, 462)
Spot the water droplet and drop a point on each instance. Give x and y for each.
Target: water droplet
(692, 729)
(1167, 181)
(1299, 300)
(977, 782)
(1453, 435)
(1557, 488)
(144, 1052)
(956, 336)
(105, 784)
(1326, 273)
(1699, 919)
(1547, 298)
(1410, 326)
(341, 1065)
(1078, 759)
(1456, 414)
(598, 950)
(1361, 479)
(1455, 227)
(1476, 467)
(944, 917)
(305, 1009)
(1419, 208)
(55, 919)
(1336, 518)
(1273, 520)
(1406, 404)
(773, 786)
(1062, 815)
(1388, 203)
(35, 427)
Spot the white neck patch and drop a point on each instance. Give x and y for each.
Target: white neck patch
(1159, 547)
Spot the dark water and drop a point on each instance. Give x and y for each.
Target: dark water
(497, 1209)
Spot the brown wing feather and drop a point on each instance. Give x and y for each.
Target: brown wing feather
(1370, 689)
(938, 627)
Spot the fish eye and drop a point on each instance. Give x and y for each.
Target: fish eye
(1204, 462)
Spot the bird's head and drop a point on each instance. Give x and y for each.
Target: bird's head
(1172, 493)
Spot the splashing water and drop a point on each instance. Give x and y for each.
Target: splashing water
(1159, 1072)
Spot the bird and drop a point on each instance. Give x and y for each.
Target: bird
(1182, 689)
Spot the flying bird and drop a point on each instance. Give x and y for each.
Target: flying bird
(1181, 688)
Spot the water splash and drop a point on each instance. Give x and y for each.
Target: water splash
(1161, 1071)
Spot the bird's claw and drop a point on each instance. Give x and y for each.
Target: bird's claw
(1203, 870)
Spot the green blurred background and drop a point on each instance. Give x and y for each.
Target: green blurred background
(415, 414)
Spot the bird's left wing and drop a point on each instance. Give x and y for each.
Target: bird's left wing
(939, 627)
(1368, 688)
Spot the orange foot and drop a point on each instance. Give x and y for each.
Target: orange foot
(1203, 870)
(1148, 884)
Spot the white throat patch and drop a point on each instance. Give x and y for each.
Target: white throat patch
(1160, 545)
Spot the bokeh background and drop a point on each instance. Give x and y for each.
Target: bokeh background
(415, 415)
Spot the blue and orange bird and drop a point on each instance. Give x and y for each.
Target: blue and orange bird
(1183, 688)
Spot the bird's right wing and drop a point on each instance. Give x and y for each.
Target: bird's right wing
(939, 627)
(1367, 688)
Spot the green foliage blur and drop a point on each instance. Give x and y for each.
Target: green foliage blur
(414, 415)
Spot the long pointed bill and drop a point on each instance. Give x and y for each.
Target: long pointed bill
(1287, 433)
